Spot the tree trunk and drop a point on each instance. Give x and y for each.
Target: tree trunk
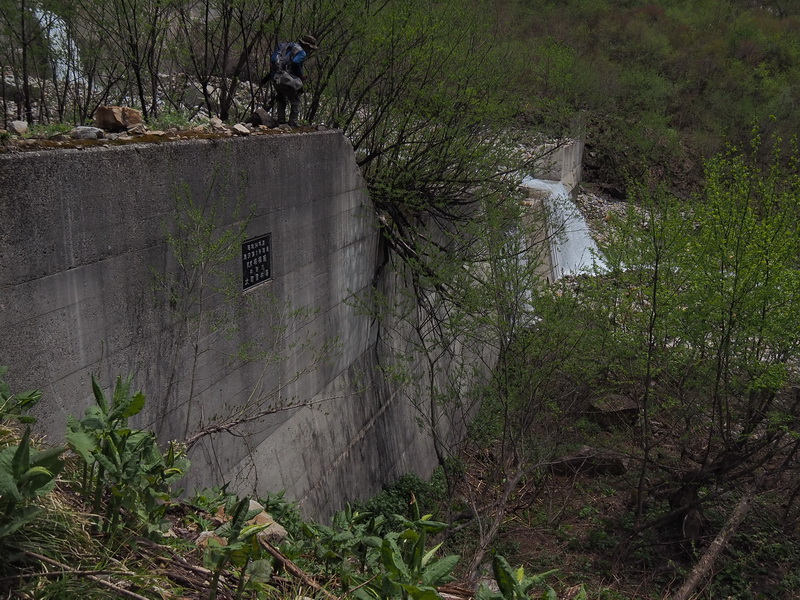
(709, 557)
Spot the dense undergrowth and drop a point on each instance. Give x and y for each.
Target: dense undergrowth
(100, 518)
(62, 538)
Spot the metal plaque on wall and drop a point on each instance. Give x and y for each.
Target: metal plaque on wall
(256, 263)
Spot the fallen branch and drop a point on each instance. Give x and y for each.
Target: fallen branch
(97, 580)
(709, 557)
(295, 570)
(49, 574)
(174, 557)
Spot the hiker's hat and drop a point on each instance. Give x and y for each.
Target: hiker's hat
(310, 41)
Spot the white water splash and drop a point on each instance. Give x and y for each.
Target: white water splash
(66, 61)
(572, 248)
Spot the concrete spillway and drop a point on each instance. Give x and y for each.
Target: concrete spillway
(572, 248)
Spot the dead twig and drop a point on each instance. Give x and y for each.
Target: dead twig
(49, 574)
(709, 557)
(97, 580)
(295, 570)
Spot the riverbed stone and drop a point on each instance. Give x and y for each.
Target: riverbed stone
(614, 410)
(85, 132)
(18, 127)
(117, 118)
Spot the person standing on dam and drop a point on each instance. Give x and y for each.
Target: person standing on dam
(286, 74)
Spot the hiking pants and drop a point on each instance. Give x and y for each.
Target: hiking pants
(286, 94)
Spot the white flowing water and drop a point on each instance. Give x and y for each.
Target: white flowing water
(66, 61)
(572, 248)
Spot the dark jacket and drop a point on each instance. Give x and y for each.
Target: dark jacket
(294, 53)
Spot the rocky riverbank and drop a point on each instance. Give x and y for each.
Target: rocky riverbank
(598, 208)
(20, 138)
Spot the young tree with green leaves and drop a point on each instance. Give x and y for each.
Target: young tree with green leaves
(202, 296)
(699, 323)
(222, 43)
(135, 33)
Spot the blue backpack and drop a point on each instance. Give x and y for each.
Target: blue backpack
(281, 59)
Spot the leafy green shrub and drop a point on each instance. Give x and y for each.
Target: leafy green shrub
(600, 539)
(410, 568)
(349, 547)
(26, 473)
(514, 584)
(240, 549)
(407, 494)
(397, 565)
(284, 512)
(124, 467)
(169, 119)
(13, 407)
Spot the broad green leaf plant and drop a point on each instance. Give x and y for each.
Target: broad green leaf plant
(123, 468)
(514, 584)
(240, 548)
(26, 473)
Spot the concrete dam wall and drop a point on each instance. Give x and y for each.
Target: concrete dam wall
(223, 275)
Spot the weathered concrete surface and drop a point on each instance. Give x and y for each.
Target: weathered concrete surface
(564, 242)
(83, 251)
(561, 161)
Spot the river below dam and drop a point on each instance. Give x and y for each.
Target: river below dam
(572, 248)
